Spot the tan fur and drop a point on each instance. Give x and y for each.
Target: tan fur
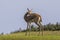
(30, 17)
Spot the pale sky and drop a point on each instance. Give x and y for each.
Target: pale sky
(12, 12)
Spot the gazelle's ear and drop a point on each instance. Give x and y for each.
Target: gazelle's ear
(28, 9)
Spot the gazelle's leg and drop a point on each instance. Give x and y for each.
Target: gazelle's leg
(36, 30)
(41, 28)
(27, 29)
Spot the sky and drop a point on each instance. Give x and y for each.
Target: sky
(12, 13)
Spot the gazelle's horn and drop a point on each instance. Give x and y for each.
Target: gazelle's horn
(28, 9)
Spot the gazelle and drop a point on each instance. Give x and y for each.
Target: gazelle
(30, 17)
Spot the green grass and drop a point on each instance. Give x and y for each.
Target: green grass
(48, 35)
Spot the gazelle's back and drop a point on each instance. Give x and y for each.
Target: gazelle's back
(34, 17)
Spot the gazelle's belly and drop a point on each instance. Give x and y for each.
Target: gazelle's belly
(35, 20)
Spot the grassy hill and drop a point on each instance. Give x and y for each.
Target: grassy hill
(48, 35)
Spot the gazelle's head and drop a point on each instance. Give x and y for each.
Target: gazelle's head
(29, 11)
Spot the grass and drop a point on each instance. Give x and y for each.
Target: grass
(48, 35)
